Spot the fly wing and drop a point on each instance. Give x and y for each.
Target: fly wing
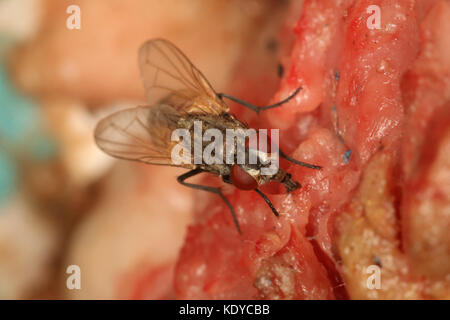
(141, 134)
(170, 77)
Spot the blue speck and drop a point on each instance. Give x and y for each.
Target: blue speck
(337, 75)
(347, 155)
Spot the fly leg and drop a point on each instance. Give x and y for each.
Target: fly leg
(300, 163)
(217, 191)
(275, 212)
(256, 108)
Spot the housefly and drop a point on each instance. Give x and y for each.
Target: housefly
(178, 97)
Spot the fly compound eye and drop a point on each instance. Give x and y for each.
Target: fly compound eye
(241, 179)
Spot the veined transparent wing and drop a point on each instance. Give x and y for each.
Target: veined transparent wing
(170, 77)
(141, 134)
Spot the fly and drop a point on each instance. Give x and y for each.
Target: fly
(178, 95)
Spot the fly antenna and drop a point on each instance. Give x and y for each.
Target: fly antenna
(275, 212)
